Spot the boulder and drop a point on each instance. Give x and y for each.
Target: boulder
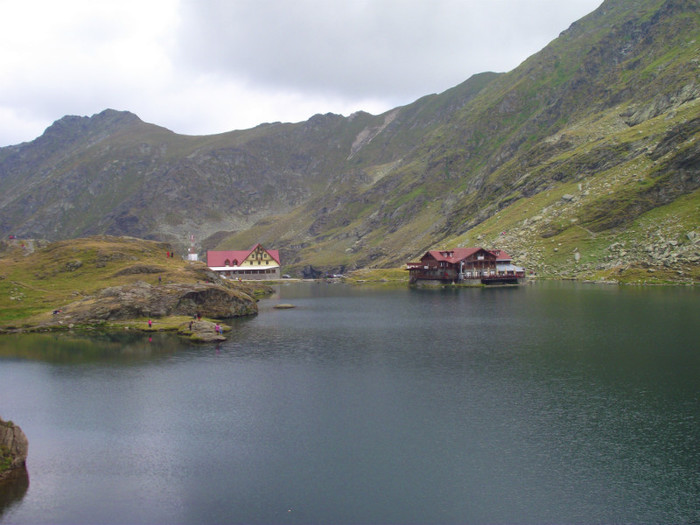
(204, 331)
(14, 447)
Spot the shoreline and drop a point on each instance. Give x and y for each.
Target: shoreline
(201, 330)
(204, 330)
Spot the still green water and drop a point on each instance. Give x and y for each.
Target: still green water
(553, 402)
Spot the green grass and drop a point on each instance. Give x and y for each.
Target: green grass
(5, 458)
(503, 161)
(378, 275)
(33, 284)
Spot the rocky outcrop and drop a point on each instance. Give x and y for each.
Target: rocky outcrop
(14, 447)
(140, 299)
(204, 331)
(309, 272)
(140, 269)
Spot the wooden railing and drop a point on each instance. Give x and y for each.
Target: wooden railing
(443, 275)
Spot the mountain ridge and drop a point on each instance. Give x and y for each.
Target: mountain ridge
(615, 93)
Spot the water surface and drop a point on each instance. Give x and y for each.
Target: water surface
(555, 402)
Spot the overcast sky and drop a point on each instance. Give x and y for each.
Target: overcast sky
(206, 66)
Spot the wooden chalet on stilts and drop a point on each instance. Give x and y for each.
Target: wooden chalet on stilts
(465, 265)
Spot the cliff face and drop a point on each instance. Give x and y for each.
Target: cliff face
(14, 447)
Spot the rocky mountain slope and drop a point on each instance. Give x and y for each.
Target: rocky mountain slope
(583, 161)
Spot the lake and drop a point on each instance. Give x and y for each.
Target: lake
(545, 403)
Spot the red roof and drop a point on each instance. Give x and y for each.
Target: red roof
(452, 256)
(501, 255)
(218, 258)
(455, 255)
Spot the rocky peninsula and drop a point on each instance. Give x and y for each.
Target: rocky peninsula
(116, 283)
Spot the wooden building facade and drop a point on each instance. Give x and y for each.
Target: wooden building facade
(465, 265)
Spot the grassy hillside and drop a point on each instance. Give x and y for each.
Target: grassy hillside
(37, 278)
(583, 161)
(595, 136)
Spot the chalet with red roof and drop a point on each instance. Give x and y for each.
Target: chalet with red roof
(465, 265)
(257, 263)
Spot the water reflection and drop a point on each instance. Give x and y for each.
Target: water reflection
(13, 489)
(75, 348)
(530, 405)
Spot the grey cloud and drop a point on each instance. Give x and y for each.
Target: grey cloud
(380, 48)
(236, 63)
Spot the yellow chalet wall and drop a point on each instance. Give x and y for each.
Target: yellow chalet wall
(257, 263)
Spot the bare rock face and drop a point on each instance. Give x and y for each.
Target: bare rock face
(141, 299)
(14, 447)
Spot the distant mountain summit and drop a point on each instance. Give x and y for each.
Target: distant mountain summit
(591, 143)
(109, 120)
(79, 131)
